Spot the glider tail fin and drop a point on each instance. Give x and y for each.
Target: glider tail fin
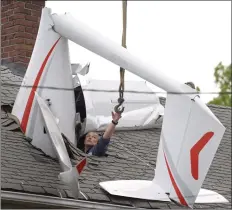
(189, 140)
(49, 60)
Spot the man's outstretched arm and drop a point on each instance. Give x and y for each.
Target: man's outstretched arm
(111, 127)
(100, 148)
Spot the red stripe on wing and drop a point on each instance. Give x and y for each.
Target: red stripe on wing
(27, 110)
(177, 190)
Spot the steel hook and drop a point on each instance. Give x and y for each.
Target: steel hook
(117, 107)
(118, 110)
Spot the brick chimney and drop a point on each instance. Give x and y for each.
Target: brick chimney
(19, 27)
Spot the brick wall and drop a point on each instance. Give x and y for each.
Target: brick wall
(19, 27)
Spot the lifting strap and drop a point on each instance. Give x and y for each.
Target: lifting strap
(122, 70)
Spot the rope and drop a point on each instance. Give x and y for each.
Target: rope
(122, 70)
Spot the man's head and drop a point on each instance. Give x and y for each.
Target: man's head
(91, 139)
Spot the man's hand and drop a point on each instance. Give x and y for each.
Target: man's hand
(116, 116)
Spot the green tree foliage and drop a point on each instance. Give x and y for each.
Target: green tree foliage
(198, 89)
(222, 76)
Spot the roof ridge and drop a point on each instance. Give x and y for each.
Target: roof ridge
(219, 106)
(209, 105)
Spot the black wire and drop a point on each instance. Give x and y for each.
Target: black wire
(109, 91)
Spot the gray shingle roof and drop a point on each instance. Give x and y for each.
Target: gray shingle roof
(132, 155)
(8, 83)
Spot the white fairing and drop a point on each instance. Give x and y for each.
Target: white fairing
(141, 189)
(79, 69)
(190, 137)
(150, 190)
(49, 67)
(209, 196)
(141, 109)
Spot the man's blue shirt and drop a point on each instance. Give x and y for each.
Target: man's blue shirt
(100, 148)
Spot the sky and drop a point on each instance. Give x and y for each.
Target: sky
(184, 39)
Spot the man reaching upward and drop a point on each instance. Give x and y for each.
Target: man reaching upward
(96, 145)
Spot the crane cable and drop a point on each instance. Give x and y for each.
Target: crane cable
(122, 70)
